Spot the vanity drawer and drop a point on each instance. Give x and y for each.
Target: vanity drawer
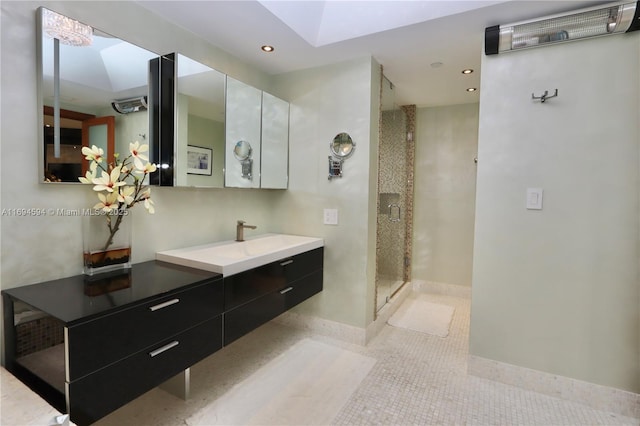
(303, 289)
(103, 391)
(303, 264)
(252, 284)
(252, 315)
(249, 316)
(249, 285)
(102, 341)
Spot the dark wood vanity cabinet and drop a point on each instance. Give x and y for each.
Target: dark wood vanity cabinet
(104, 390)
(123, 334)
(91, 345)
(104, 340)
(258, 295)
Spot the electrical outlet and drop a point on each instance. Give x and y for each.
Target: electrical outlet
(330, 216)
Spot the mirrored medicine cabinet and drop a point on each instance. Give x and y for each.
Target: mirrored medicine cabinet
(190, 142)
(244, 104)
(93, 91)
(257, 138)
(204, 129)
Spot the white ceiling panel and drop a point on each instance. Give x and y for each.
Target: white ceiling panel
(406, 37)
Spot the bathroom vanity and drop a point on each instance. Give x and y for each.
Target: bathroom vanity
(264, 275)
(89, 345)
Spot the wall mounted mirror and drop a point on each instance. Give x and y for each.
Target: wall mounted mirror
(341, 148)
(242, 150)
(96, 89)
(81, 73)
(199, 124)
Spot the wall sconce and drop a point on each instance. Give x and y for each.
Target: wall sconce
(592, 22)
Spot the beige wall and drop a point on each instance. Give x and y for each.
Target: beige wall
(40, 248)
(558, 289)
(444, 194)
(324, 102)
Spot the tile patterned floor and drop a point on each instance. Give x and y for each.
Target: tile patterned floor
(418, 380)
(422, 380)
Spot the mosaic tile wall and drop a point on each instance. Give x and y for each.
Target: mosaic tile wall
(39, 334)
(410, 111)
(391, 180)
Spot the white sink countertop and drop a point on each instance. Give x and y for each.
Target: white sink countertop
(232, 257)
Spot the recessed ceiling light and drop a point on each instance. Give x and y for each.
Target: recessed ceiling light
(467, 71)
(472, 89)
(267, 48)
(436, 64)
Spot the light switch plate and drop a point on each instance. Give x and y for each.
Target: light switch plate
(534, 198)
(330, 216)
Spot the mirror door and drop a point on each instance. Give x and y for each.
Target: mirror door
(85, 73)
(275, 143)
(243, 135)
(199, 124)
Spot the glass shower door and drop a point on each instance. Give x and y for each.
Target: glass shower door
(392, 199)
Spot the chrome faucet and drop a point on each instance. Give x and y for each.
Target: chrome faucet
(240, 229)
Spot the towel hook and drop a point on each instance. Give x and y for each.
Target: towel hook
(544, 96)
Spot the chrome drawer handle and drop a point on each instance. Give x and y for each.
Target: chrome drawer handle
(164, 348)
(287, 262)
(164, 304)
(286, 290)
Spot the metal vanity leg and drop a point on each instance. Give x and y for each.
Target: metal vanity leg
(179, 385)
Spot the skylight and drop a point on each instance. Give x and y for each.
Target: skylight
(321, 23)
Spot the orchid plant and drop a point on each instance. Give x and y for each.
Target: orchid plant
(120, 185)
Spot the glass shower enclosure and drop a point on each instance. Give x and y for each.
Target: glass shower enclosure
(395, 197)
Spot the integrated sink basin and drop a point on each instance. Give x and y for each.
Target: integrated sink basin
(232, 257)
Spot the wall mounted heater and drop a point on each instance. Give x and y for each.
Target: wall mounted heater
(597, 21)
(126, 106)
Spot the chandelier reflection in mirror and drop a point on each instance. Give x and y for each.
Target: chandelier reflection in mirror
(67, 30)
(341, 148)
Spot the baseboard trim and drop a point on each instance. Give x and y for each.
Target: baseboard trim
(345, 332)
(434, 287)
(597, 396)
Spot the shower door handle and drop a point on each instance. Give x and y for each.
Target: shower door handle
(391, 209)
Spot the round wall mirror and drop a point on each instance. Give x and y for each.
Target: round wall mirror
(342, 145)
(242, 150)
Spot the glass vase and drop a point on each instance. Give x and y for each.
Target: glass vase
(106, 242)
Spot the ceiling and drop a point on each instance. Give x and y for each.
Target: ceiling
(409, 38)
